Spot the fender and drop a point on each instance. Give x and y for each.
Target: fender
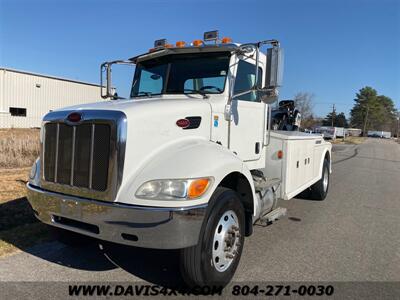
(327, 150)
(185, 158)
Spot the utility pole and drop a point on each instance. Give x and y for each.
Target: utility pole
(333, 113)
(398, 127)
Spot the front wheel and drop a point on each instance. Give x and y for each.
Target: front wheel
(213, 261)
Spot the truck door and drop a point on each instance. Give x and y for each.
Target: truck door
(248, 114)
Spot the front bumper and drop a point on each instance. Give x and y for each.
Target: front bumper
(148, 227)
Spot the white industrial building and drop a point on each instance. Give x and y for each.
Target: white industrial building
(26, 97)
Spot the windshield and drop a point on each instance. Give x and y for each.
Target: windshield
(181, 74)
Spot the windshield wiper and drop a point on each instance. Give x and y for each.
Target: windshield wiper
(197, 92)
(148, 94)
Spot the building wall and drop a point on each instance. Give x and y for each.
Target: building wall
(38, 95)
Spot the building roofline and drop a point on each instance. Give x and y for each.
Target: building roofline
(48, 76)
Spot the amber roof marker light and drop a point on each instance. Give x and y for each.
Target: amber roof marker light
(197, 43)
(180, 44)
(226, 40)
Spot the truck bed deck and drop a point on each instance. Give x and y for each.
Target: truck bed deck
(294, 135)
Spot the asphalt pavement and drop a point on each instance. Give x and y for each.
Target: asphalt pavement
(353, 235)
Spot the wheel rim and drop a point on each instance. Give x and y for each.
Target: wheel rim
(226, 241)
(326, 180)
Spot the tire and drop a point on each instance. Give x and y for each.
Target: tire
(319, 190)
(201, 264)
(70, 238)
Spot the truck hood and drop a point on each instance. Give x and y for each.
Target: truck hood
(128, 104)
(151, 125)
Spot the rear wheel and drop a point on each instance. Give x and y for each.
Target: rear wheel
(213, 261)
(320, 189)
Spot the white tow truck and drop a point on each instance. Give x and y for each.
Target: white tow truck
(188, 162)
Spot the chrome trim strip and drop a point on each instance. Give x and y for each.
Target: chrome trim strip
(91, 156)
(42, 152)
(73, 155)
(56, 158)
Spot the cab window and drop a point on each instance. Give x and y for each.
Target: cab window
(245, 77)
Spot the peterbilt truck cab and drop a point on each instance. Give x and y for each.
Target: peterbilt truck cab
(189, 161)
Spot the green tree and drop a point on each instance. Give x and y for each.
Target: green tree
(372, 111)
(339, 120)
(386, 114)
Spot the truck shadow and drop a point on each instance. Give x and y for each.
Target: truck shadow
(306, 195)
(159, 267)
(19, 228)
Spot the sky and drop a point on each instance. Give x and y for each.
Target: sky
(332, 48)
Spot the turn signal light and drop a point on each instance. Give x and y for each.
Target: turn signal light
(226, 40)
(180, 44)
(197, 43)
(198, 187)
(280, 154)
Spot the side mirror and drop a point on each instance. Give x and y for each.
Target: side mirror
(274, 70)
(273, 78)
(106, 88)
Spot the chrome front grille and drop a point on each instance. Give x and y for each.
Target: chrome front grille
(74, 153)
(84, 159)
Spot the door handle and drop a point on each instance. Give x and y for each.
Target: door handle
(257, 148)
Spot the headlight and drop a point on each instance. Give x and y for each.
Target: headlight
(174, 189)
(32, 173)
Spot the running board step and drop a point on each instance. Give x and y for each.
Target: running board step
(273, 215)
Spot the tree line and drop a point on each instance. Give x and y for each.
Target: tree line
(371, 111)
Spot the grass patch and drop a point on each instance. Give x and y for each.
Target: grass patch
(18, 147)
(19, 228)
(355, 140)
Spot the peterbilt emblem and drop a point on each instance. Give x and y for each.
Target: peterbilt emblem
(74, 117)
(183, 123)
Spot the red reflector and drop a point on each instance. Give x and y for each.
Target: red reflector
(74, 117)
(183, 123)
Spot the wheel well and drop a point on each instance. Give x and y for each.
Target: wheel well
(238, 182)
